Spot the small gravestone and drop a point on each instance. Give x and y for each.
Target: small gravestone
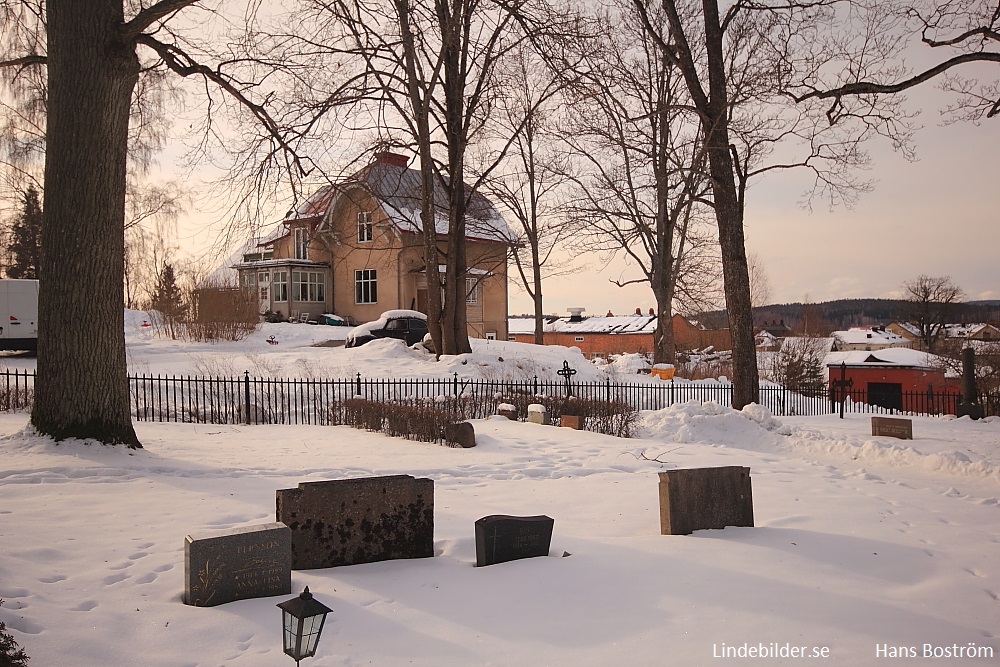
(571, 421)
(507, 410)
(537, 414)
(892, 427)
(365, 520)
(462, 434)
(703, 498)
(223, 566)
(501, 538)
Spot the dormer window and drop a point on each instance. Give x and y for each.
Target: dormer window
(301, 243)
(365, 233)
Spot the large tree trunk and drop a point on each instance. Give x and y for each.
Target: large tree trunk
(82, 389)
(729, 217)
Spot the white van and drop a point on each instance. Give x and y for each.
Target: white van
(18, 314)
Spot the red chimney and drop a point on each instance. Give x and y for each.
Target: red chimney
(638, 311)
(651, 312)
(395, 159)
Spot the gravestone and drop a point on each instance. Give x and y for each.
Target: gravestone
(507, 410)
(892, 427)
(702, 498)
(571, 421)
(364, 520)
(462, 434)
(537, 414)
(251, 562)
(501, 538)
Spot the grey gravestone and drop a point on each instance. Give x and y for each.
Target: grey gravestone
(501, 538)
(462, 434)
(345, 522)
(893, 428)
(223, 566)
(537, 414)
(701, 498)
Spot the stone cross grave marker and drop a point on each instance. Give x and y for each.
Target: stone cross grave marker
(364, 520)
(892, 427)
(237, 564)
(700, 498)
(501, 538)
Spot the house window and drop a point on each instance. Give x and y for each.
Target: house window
(491, 335)
(248, 281)
(301, 241)
(279, 286)
(365, 286)
(578, 339)
(308, 286)
(471, 290)
(364, 226)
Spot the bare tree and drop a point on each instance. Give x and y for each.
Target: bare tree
(529, 180)
(760, 285)
(735, 62)
(931, 301)
(90, 52)
(639, 168)
(967, 34)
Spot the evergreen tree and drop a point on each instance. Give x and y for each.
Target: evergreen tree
(25, 248)
(168, 298)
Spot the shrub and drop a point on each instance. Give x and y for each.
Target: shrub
(11, 655)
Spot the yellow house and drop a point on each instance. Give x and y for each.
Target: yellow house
(355, 249)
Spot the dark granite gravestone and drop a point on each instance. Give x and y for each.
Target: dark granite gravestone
(350, 521)
(462, 434)
(501, 538)
(893, 428)
(223, 566)
(701, 498)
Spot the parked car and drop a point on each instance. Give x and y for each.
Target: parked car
(406, 325)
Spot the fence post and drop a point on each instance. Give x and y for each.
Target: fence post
(358, 385)
(246, 394)
(454, 386)
(535, 386)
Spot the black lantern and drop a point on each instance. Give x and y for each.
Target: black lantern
(302, 620)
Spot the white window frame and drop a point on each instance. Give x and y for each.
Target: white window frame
(301, 242)
(578, 339)
(471, 291)
(365, 286)
(279, 286)
(366, 233)
(309, 286)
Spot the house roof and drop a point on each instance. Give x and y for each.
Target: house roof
(865, 335)
(397, 188)
(889, 357)
(629, 324)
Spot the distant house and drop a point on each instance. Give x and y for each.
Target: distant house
(355, 248)
(869, 339)
(601, 337)
(951, 332)
(894, 378)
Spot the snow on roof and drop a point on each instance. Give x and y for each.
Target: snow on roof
(863, 335)
(397, 188)
(225, 273)
(629, 324)
(892, 356)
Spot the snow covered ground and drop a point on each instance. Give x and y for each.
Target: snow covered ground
(864, 547)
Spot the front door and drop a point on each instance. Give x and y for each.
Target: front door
(264, 291)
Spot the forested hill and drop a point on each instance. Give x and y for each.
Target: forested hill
(844, 313)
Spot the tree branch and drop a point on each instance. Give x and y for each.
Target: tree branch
(24, 61)
(150, 15)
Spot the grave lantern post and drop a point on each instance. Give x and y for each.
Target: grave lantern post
(302, 620)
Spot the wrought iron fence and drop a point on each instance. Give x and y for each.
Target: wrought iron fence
(259, 400)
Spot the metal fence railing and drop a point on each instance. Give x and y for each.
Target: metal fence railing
(260, 400)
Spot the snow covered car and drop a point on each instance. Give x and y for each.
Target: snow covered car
(406, 325)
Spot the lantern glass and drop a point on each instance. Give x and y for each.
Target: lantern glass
(302, 622)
